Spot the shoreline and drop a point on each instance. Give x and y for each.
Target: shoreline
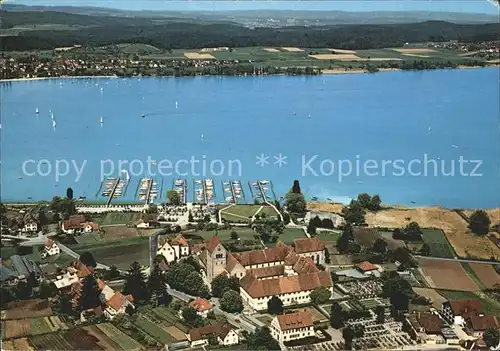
(58, 77)
(385, 207)
(333, 71)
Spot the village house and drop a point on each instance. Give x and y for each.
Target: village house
(76, 271)
(426, 327)
(292, 326)
(30, 226)
(113, 302)
(148, 221)
(201, 306)
(458, 311)
(50, 249)
(478, 324)
(216, 260)
(174, 249)
(78, 224)
(223, 332)
(369, 269)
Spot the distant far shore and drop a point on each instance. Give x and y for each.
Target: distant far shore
(57, 77)
(323, 71)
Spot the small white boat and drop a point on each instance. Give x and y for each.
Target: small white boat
(454, 146)
(176, 104)
(101, 120)
(36, 111)
(102, 89)
(54, 123)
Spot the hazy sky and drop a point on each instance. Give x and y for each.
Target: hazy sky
(472, 6)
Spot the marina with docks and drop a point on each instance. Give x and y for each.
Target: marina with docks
(148, 190)
(180, 186)
(233, 191)
(114, 187)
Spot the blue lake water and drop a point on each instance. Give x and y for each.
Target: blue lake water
(387, 126)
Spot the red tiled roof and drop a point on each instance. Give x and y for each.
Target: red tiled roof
(180, 240)
(308, 245)
(231, 262)
(213, 243)
(430, 322)
(366, 266)
(200, 305)
(483, 322)
(266, 272)
(117, 300)
(305, 265)
(285, 285)
(74, 222)
(301, 319)
(220, 329)
(275, 254)
(466, 308)
(49, 244)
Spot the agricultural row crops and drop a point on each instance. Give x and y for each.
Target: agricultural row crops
(95, 337)
(438, 244)
(17, 328)
(153, 330)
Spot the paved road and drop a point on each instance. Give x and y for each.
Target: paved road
(456, 259)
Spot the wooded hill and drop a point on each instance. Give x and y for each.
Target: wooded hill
(173, 33)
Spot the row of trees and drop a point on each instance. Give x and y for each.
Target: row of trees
(178, 35)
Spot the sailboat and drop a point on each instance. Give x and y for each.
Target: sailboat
(176, 104)
(53, 123)
(52, 116)
(101, 119)
(36, 111)
(202, 137)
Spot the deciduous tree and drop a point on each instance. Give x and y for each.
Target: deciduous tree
(275, 305)
(479, 222)
(231, 302)
(320, 295)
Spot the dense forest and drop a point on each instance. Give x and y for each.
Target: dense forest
(176, 34)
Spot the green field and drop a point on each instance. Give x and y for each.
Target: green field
(328, 237)
(224, 235)
(266, 319)
(290, 234)
(120, 253)
(439, 245)
(153, 330)
(119, 218)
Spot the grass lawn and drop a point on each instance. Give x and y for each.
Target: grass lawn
(114, 252)
(269, 211)
(439, 245)
(246, 211)
(119, 218)
(473, 275)
(154, 331)
(233, 218)
(328, 237)
(290, 234)
(224, 235)
(266, 319)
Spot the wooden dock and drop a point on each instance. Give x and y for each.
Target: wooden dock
(180, 186)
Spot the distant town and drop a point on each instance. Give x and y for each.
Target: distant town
(147, 61)
(278, 273)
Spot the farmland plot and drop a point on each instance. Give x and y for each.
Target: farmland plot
(27, 309)
(447, 275)
(438, 244)
(124, 341)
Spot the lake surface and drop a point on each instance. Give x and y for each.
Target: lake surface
(387, 126)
